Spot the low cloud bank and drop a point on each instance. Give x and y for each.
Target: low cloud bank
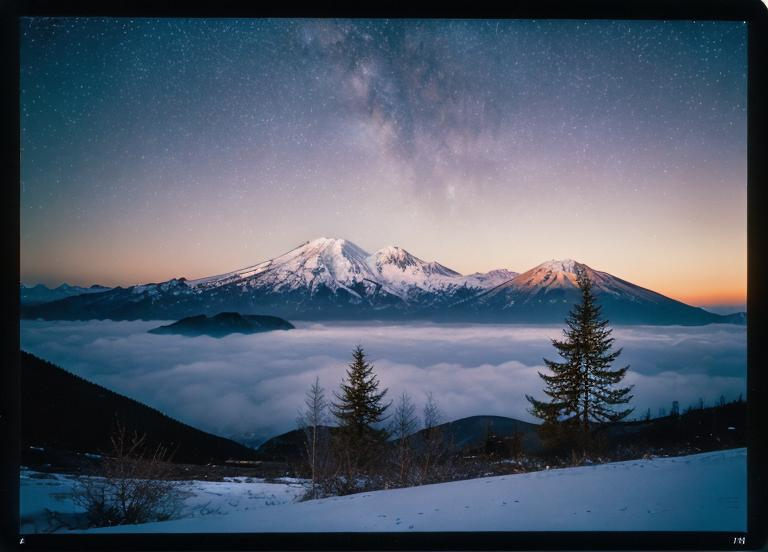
(254, 385)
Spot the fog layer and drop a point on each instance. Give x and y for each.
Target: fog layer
(254, 385)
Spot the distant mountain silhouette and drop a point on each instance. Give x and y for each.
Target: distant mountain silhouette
(63, 411)
(473, 432)
(224, 324)
(697, 429)
(286, 447)
(32, 295)
(465, 434)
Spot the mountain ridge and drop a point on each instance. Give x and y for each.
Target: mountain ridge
(58, 406)
(330, 278)
(40, 293)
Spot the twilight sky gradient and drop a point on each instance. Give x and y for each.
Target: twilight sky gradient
(154, 149)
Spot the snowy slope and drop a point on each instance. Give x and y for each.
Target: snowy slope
(548, 290)
(561, 275)
(333, 263)
(489, 279)
(50, 491)
(409, 276)
(338, 263)
(703, 492)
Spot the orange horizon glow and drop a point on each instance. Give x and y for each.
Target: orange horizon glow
(721, 299)
(699, 293)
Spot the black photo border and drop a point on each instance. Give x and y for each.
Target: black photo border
(754, 12)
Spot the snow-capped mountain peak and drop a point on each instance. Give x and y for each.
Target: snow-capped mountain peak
(405, 262)
(559, 276)
(327, 258)
(406, 275)
(342, 259)
(333, 247)
(564, 265)
(555, 274)
(396, 256)
(490, 279)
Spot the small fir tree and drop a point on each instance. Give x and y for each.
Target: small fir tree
(581, 388)
(360, 408)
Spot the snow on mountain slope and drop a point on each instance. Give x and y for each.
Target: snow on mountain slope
(331, 278)
(490, 279)
(561, 275)
(340, 264)
(701, 492)
(331, 262)
(547, 292)
(408, 275)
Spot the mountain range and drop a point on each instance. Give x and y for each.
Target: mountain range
(335, 279)
(40, 293)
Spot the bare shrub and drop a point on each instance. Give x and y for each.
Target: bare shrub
(435, 447)
(312, 421)
(403, 425)
(134, 485)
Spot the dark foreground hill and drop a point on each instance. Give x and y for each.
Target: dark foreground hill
(223, 324)
(60, 410)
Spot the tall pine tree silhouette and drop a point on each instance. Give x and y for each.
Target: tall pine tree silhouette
(359, 409)
(582, 388)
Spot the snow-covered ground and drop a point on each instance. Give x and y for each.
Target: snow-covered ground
(49, 491)
(703, 492)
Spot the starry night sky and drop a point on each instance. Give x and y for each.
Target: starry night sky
(154, 149)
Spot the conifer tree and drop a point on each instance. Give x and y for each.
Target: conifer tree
(360, 408)
(675, 409)
(581, 388)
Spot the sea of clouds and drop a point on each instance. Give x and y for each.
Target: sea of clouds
(254, 385)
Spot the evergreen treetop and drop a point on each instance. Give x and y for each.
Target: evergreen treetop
(581, 387)
(360, 405)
